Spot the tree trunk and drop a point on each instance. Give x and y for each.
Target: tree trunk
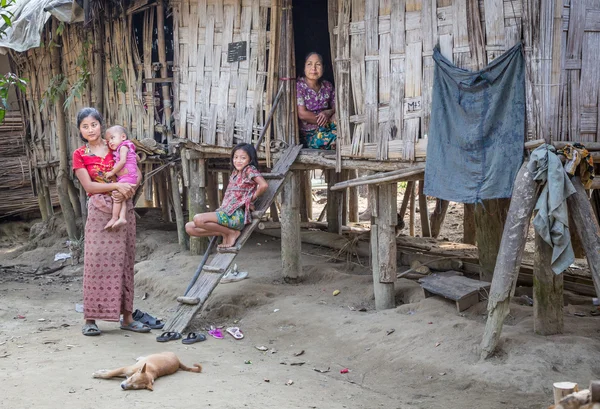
(509, 257)
(547, 292)
(62, 179)
(489, 223)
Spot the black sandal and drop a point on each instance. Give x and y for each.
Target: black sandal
(192, 337)
(148, 319)
(168, 336)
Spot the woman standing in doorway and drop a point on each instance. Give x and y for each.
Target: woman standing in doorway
(316, 105)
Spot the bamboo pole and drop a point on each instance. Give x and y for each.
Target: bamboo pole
(162, 59)
(509, 257)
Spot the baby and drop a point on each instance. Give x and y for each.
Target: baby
(125, 169)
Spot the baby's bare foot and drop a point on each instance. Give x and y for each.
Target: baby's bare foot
(120, 222)
(110, 224)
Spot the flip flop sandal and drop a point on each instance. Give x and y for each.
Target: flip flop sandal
(148, 319)
(216, 333)
(168, 336)
(235, 332)
(90, 330)
(192, 337)
(136, 326)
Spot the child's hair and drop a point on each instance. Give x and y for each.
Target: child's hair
(249, 149)
(86, 112)
(118, 129)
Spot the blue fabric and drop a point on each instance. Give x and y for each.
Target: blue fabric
(477, 129)
(551, 221)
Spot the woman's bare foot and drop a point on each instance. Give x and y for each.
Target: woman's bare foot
(110, 224)
(229, 240)
(120, 222)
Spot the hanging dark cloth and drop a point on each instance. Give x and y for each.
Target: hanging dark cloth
(477, 129)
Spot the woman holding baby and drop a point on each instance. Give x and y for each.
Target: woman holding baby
(109, 251)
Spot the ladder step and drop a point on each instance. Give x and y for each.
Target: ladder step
(232, 250)
(213, 269)
(188, 300)
(273, 175)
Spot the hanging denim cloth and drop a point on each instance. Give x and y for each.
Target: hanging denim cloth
(477, 129)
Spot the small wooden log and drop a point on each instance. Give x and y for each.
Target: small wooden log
(290, 230)
(586, 225)
(469, 231)
(547, 292)
(383, 255)
(509, 257)
(188, 300)
(438, 216)
(423, 212)
(563, 389)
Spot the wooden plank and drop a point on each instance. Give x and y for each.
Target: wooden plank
(494, 28)
(372, 69)
(574, 46)
(456, 287)
(412, 95)
(397, 62)
(342, 66)
(590, 77)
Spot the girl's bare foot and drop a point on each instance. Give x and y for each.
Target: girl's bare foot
(110, 224)
(120, 222)
(229, 240)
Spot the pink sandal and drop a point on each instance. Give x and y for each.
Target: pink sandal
(216, 333)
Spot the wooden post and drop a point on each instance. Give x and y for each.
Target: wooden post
(162, 59)
(547, 292)
(489, 223)
(581, 210)
(438, 216)
(197, 201)
(290, 229)
(353, 198)
(413, 211)
(305, 196)
(163, 195)
(575, 241)
(62, 178)
(405, 201)
(98, 38)
(596, 203)
(43, 198)
(383, 244)
(212, 194)
(469, 231)
(423, 211)
(334, 203)
(181, 234)
(508, 261)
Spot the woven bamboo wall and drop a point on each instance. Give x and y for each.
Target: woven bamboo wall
(216, 102)
(384, 51)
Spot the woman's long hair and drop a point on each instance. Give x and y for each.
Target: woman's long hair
(250, 151)
(86, 112)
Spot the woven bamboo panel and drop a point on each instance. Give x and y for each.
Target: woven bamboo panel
(219, 102)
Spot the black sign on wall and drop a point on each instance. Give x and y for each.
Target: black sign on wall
(236, 51)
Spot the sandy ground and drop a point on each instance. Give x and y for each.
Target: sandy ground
(422, 354)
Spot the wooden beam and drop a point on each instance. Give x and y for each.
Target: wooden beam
(334, 203)
(414, 173)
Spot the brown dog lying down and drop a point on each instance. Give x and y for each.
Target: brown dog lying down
(146, 370)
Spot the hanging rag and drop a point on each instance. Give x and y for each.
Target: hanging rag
(552, 219)
(579, 157)
(477, 129)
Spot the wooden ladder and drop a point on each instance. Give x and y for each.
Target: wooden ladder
(208, 276)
